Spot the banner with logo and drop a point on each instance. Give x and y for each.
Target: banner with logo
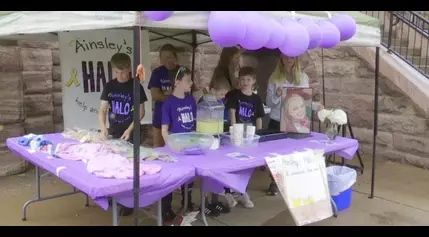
(302, 181)
(86, 68)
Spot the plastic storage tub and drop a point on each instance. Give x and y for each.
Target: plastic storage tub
(191, 143)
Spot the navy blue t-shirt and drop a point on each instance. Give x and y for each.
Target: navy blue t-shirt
(120, 97)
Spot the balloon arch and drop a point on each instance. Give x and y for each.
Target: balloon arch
(252, 30)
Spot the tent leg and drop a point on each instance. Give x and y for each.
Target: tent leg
(136, 120)
(374, 138)
(194, 48)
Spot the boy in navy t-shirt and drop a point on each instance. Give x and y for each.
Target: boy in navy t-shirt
(178, 116)
(245, 107)
(117, 100)
(117, 104)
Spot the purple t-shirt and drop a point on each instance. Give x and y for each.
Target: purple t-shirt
(179, 114)
(161, 78)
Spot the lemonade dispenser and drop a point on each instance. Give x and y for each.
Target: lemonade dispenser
(210, 115)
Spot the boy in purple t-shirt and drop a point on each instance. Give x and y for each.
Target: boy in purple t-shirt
(178, 115)
(160, 86)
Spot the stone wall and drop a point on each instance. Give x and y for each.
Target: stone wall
(31, 96)
(403, 128)
(27, 95)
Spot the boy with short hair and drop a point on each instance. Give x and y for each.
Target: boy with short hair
(178, 116)
(245, 107)
(117, 101)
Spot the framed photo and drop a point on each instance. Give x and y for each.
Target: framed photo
(296, 110)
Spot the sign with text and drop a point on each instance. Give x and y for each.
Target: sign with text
(86, 68)
(302, 181)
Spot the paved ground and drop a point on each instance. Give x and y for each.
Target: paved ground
(401, 199)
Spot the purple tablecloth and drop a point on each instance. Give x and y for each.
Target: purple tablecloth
(219, 170)
(152, 187)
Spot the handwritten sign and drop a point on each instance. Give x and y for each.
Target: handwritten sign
(86, 68)
(302, 181)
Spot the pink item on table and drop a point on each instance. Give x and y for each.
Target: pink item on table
(115, 166)
(80, 151)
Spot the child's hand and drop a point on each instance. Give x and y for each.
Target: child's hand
(104, 133)
(126, 135)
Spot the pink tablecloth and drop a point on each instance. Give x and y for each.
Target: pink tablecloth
(152, 187)
(219, 170)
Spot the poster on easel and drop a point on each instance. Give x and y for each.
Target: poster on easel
(302, 181)
(296, 111)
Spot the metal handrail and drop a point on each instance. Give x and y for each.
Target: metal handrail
(406, 48)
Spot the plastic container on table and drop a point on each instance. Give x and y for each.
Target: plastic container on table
(210, 115)
(191, 143)
(340, 182)
(245, 142)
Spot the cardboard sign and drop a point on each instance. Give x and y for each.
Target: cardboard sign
(302, 181)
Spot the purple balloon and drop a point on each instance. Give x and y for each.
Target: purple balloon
(330, 34)
(277, 36)
(345, 24)
(257, 31)
(226, 28)
(313, 30)
(158, 15)
(297, 38)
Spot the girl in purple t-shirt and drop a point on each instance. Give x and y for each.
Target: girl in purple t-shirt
(178, 116)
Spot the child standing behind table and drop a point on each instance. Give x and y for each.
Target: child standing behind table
(219, 87)
(245, 107)
(178, 116)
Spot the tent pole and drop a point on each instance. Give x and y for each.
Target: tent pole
(136, 120)
(374, 138)
(194, 47)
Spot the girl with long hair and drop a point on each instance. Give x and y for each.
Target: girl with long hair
(287, 74)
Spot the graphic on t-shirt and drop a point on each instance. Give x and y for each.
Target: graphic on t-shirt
(185, 117)
(120, 107)
(246, 111)
(165, 85)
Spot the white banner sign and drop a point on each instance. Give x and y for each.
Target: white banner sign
(86, 68)
(302, 181)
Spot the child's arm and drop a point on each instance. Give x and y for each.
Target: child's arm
(231, 105)
(164, 132)
(155, 87)
(258, 123)
(260, 112)
(232, 118)
(165, 119)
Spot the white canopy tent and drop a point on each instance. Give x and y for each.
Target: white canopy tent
(187, 27)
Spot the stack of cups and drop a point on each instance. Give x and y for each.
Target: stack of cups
(250, 131)
(237, 134)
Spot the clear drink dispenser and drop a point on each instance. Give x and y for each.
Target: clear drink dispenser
(210, 115)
